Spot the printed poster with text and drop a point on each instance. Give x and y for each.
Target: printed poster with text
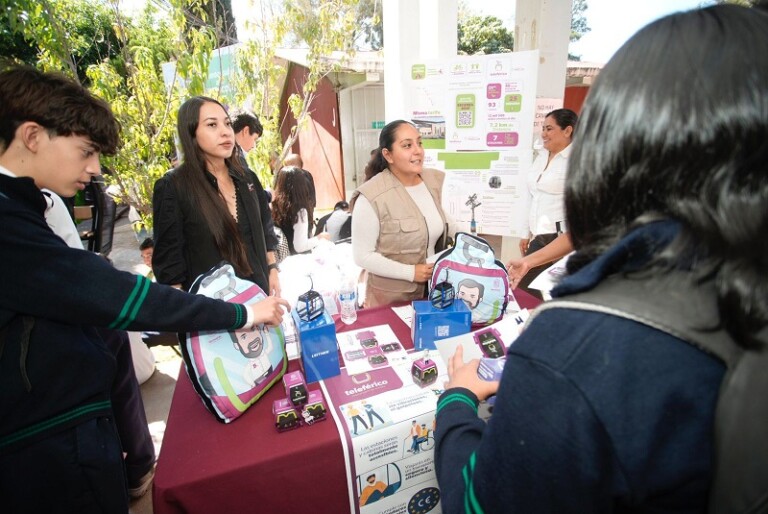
(475, 115)
(386, 421)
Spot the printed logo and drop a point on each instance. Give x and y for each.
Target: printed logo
(424, 501)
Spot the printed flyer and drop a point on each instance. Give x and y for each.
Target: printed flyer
(386, 417)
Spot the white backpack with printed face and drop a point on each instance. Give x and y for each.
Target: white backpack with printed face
(477, 277)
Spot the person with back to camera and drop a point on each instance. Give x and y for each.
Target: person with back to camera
(293, 208)
(59, 448)
(665, 200)
(338, 223)
(398, 219)
(211, 208)
(546, 181)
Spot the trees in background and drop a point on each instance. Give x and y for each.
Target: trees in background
(483, 34)
(120, 58)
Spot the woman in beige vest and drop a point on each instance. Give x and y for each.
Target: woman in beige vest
(398, 219)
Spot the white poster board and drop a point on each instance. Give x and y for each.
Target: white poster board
(475, 115)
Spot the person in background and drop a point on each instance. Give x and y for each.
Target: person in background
(293, 159)
(293, 207)
(338, 223)
(147, 249)
(546, 217)
(398, 219)
(371, 167)
(59, 446)
(665, 194)
(248, 130)
(211, 208)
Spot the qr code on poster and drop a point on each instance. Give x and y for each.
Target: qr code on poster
(464, 119)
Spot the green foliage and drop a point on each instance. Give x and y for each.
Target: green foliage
(78, 33)
(129, 76)
(483, 34)
(65, 35)
(579, 25)
(320, 26)
(370, 25)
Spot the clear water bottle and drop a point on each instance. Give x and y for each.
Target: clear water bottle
(348, 300)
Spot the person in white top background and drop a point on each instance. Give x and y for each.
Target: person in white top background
(293, 208)
(398, 221)
(546, 185)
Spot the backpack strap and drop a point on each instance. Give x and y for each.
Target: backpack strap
(686, 307)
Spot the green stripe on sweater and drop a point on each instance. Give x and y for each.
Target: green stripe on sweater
(52, 422)
(120, 320)
(455, 397)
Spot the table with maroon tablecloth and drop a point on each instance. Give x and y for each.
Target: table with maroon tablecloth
(247, 466)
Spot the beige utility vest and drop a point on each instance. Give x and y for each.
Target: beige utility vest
(403, 234)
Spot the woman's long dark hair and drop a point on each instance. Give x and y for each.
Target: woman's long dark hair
(676, 127)
(190, 181)
(293, 192)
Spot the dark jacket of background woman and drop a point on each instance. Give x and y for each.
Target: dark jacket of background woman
(184, 245)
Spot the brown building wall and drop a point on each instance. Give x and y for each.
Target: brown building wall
(319, 142)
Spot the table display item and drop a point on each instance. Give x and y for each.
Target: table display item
(490, 343)
(315, 409)
(310, 305)
(231, 370)
(442, 295)
(480, 280)
(430, 324)
(367, 339)
(377, 361)
(286, 416)
(348, 299)
(295, 388)
(354, 355)
(391, 347)
(490, 369)
(424, 371)
(317, 347)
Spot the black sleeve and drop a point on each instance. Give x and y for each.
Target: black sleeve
(168, 262)
(270, 238)
(45, 278)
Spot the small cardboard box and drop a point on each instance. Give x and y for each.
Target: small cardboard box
(317, 343)
(431, 324)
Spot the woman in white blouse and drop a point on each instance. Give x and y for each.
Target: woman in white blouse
(546, 185)
(293, 207)
(398, 221)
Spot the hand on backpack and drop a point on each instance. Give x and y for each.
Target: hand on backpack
(422, 272)
(269, 311)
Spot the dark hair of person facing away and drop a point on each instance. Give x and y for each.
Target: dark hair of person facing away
(676, 127)
(147, 243)
(378, 163)
(55, 102)
(564, 118)
(243, 120)
(293, 192)
(190, 180)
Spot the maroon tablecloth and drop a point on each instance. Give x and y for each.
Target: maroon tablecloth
(247, 466)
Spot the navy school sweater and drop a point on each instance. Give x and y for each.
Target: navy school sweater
(55, 371)
(594, 413)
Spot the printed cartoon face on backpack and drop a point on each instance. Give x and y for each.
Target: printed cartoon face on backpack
(249, 342)
(480, 280)
(232, 369)
(471, 292)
